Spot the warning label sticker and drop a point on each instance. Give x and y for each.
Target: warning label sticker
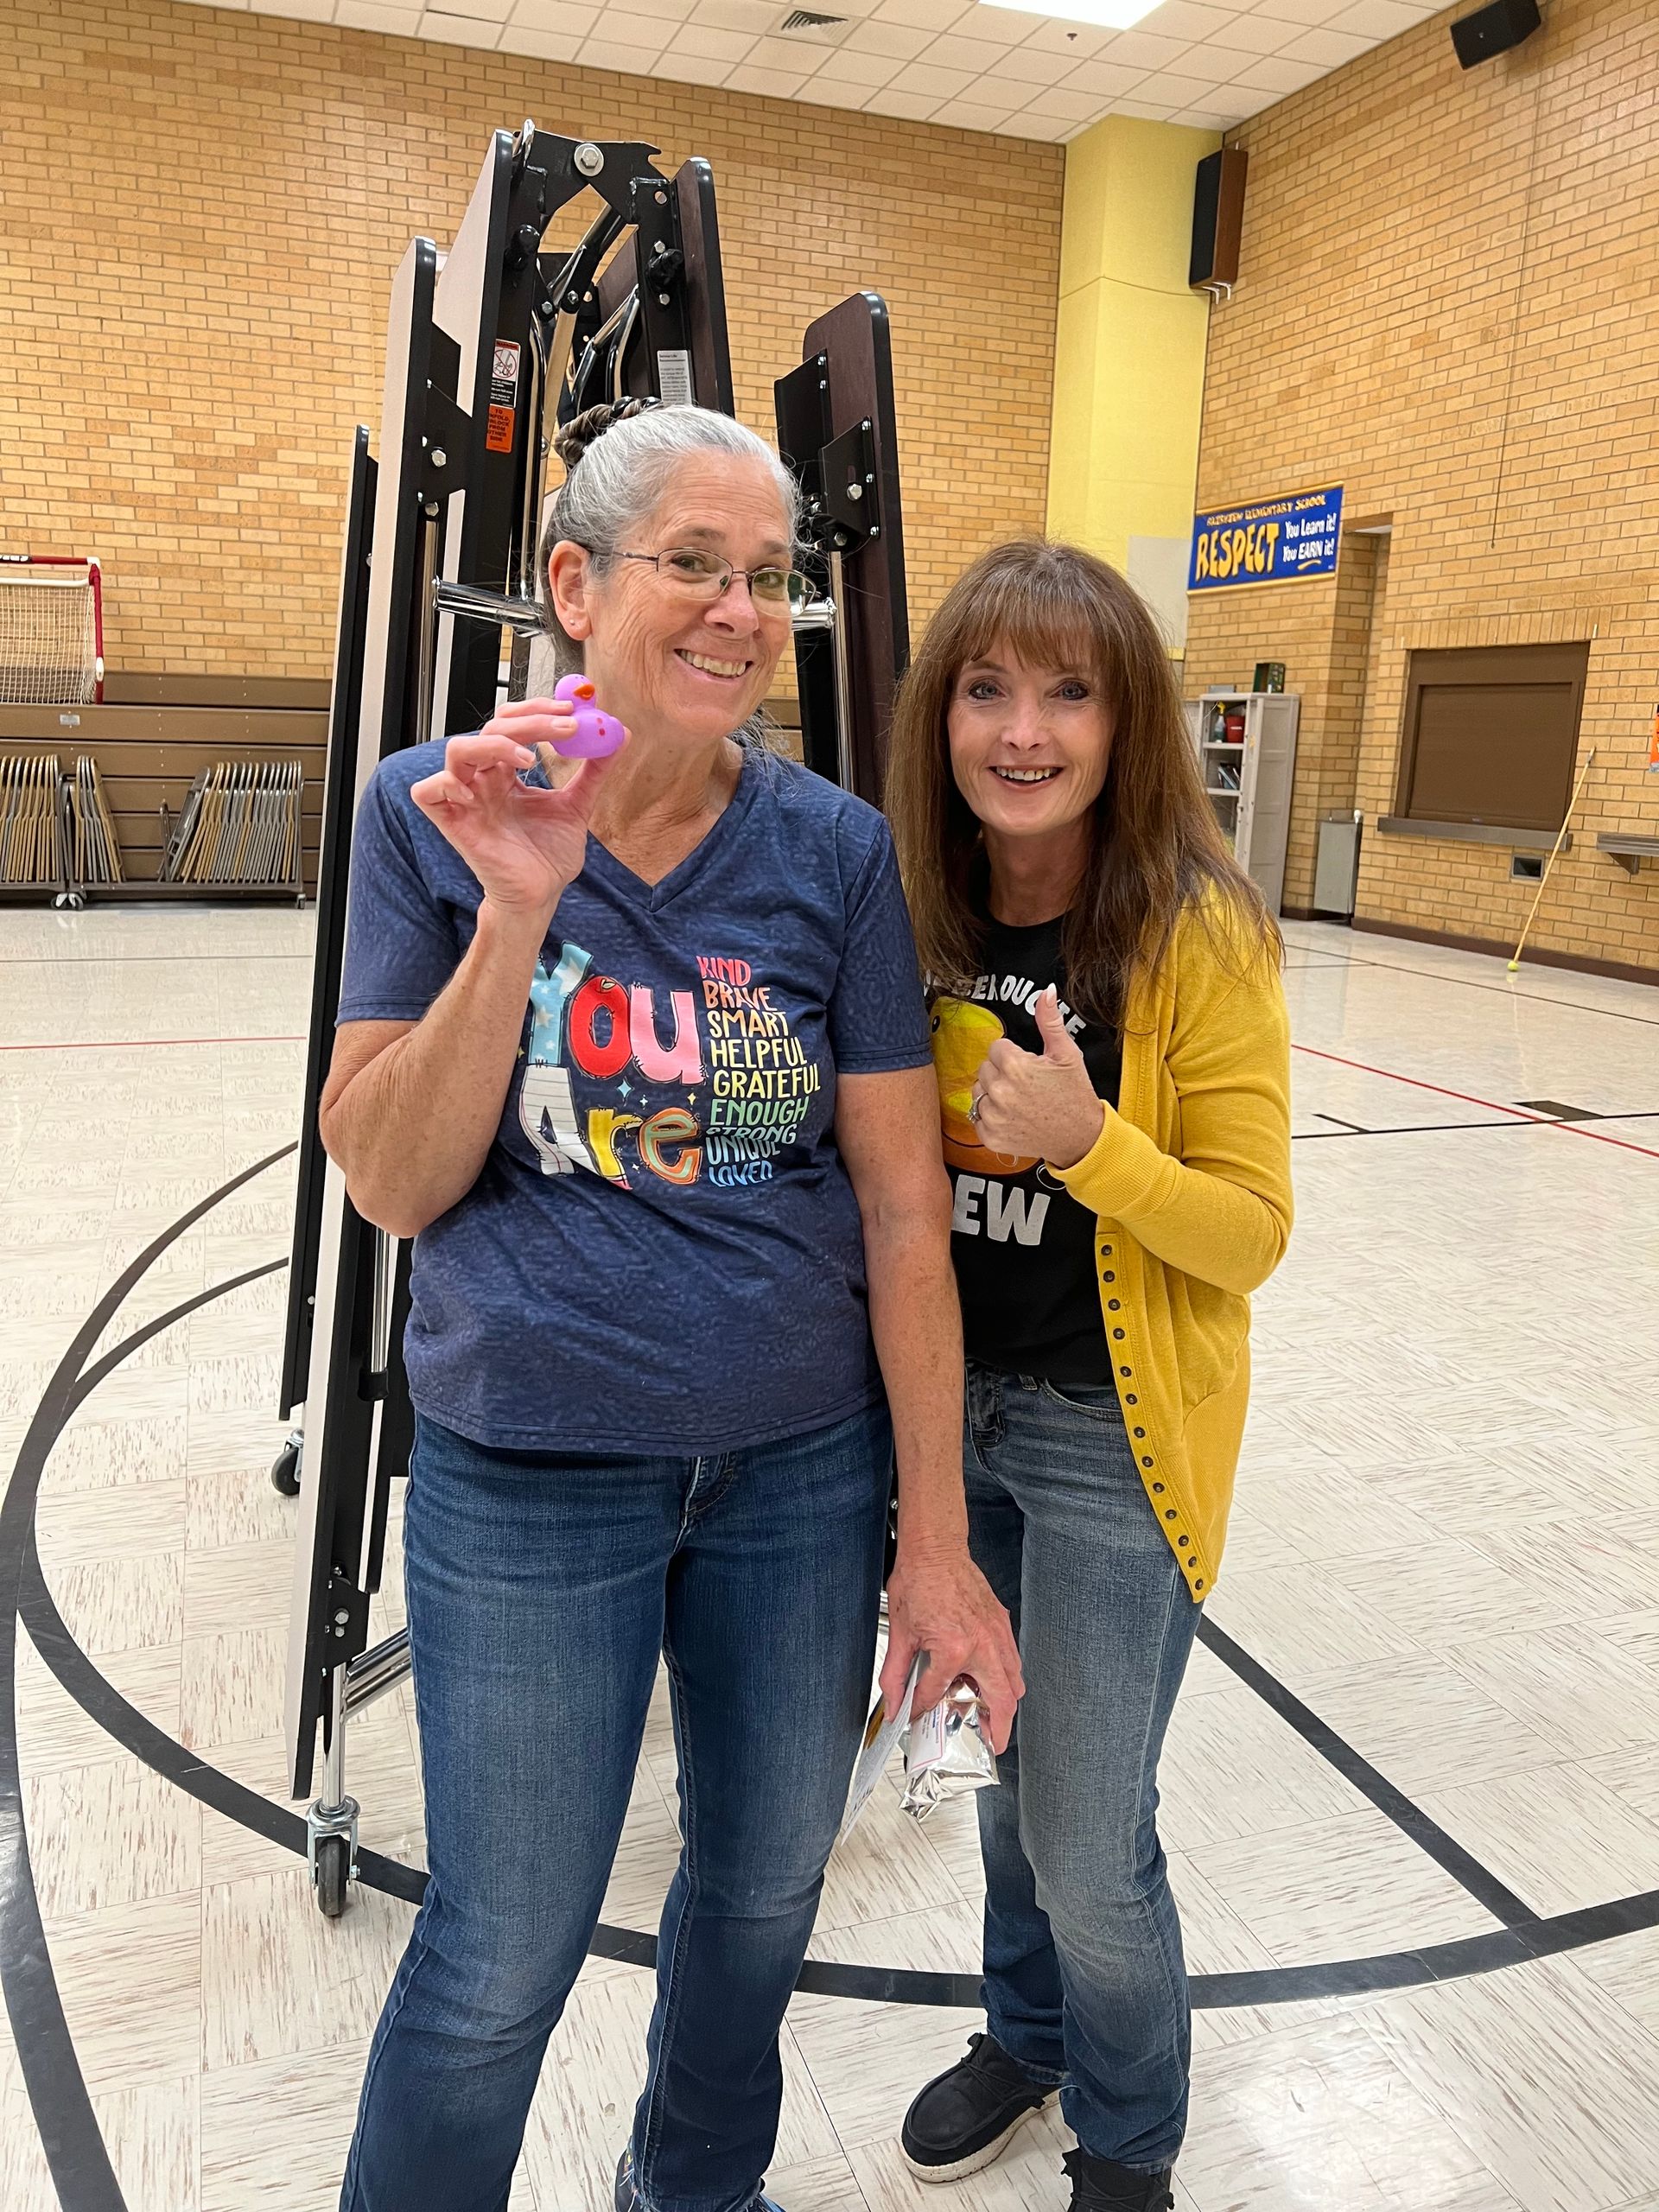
(504, 392)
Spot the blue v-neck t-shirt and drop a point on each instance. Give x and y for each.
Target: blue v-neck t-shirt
(663, 1250)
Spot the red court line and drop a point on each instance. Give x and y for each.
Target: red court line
(1468, 1098)
(132, 1043)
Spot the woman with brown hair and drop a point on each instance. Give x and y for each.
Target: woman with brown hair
(1110, 1042)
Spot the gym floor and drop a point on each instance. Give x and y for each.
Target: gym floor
(1412, 1798)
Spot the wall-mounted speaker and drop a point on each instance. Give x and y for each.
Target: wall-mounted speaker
(1494, 29)
(1217, 220)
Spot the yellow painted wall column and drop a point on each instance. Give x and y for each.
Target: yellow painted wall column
(1128, 358)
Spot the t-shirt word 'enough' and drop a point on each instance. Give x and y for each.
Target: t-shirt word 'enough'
(663, 1250)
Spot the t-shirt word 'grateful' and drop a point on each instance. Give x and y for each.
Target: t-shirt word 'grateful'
(1024, 1249)
(663, 1250)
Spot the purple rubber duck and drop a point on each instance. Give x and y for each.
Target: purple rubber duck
(597, 733)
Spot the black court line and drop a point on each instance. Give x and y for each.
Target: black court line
(1360, 1775)
(78, 2162)
(1436, 1128)
(79, 2165)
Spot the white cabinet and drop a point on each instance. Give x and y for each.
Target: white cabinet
(1246, 744)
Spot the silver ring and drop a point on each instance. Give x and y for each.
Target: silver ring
(973, 1110)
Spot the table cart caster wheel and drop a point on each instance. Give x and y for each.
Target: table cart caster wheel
(285, 1470)
(334, 1874)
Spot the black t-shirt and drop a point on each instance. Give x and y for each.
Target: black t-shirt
(1024, 1248)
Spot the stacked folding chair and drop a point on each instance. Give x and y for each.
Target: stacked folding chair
(97, 856)
(240, 824)
(31, 821)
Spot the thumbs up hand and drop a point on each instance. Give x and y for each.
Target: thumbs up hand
(1038, 1104)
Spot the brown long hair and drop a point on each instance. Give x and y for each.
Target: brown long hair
(1157, 848)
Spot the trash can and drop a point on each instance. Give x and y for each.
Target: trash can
(1336, 868)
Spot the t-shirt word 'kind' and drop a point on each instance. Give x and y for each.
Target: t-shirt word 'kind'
(663, 1251)
(1024, 1249)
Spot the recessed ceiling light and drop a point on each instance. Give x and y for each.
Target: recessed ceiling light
(1112, 14)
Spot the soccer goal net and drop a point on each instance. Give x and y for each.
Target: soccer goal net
(51, 630)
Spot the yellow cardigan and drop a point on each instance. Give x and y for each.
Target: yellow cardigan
(1189, 1178)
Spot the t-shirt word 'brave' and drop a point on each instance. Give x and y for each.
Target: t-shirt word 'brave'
(663, 1250)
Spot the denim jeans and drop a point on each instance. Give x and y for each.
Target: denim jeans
(1084, 1980)
(541, 1593)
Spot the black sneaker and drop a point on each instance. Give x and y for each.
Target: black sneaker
(1102, 2185)
(966, 2117)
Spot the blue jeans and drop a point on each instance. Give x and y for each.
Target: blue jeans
(541, 1593)
(1084, 1980)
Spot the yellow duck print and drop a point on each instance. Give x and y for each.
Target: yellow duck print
(963, 1035)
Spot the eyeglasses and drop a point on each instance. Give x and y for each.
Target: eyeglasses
(705, 575)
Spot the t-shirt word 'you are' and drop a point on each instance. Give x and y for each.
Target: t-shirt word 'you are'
(663, 1250)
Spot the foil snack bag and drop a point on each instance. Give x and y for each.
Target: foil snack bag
(945, 1751)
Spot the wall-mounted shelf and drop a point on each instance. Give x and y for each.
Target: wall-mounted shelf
(1628, 849)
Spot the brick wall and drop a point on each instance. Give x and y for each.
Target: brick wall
(200, 212)
(1447, 304)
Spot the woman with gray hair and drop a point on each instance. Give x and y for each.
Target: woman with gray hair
(638, 1055)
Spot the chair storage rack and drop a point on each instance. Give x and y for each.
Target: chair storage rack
(490, 347)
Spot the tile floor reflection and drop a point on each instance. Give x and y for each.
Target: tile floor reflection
(1445, 1545)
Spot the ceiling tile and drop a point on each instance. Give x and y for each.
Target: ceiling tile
(485, 11)
(930, 77)
(313, 12)
(1139, 49)
(830, 95)
(1273, 74)
(555, 15)
(1306, 12)
(791, 57)
(934, 15)
(648, 33)
(1331, 48)
(1023, 65)
(545, 46)
(1172, 91)
(910, 107)
(899, 41)
(1059, 104)
(458, 30)
(709, 43)
(368, 15)
(970, 115)
(739, 16)
(1026, 125)
(856, 72)
(1000, 26)
(610, 54)
(1205, 119)
(1147, 111)
(1377, 18)
(1076, 41)
(694, 68)
(1255, 34)
(1187, 19)
(1106, 80)
(959, 53)
(770, 84)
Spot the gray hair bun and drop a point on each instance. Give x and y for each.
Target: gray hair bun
(574, 437)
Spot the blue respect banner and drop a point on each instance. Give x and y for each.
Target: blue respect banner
(1268, 542)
